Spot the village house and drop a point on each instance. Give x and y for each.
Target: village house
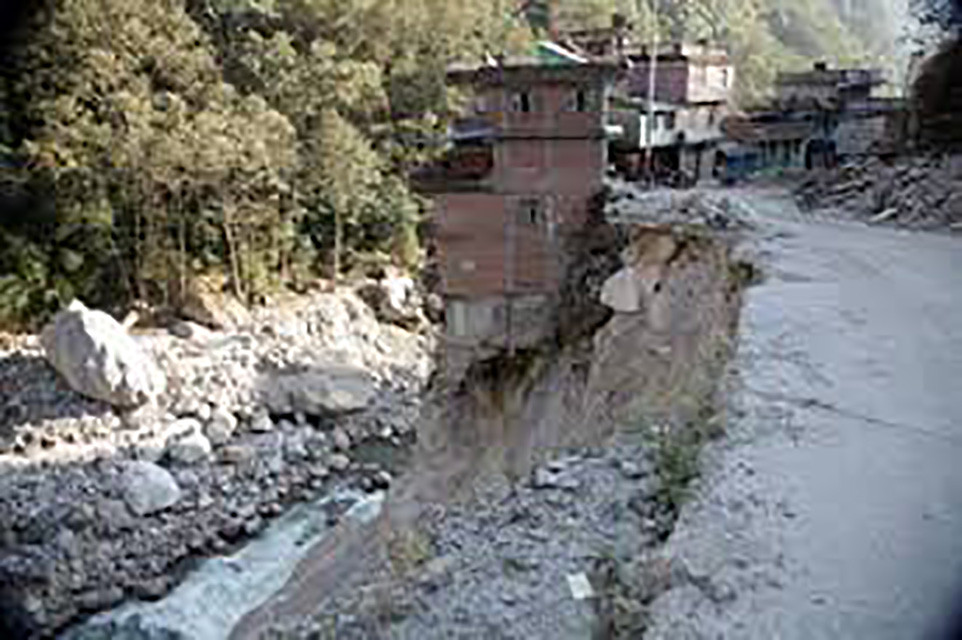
(692, 86)
(515, 184)
(818, 118)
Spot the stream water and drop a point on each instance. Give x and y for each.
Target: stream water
(221, 590)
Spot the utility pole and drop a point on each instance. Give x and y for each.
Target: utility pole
(652, 64)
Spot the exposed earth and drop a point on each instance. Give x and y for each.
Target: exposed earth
(538, 500)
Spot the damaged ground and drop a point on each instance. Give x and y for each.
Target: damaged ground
(530, 505)
(918, 192)
(99, 504)
(544, 481)
(832, 508)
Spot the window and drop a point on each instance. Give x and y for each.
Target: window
(670, 121)
(531, 211)
(725, 77)
(579, 100)
(521, 102)
(457, 318)
(711, 117)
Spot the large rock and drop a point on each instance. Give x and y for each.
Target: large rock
(395, 299)
(332, 390)
(148, 488)
(623, 292)
(221, 426)
(98, 359)
(213, 308)
(190, 447)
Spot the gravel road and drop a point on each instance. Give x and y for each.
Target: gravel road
(834, 507)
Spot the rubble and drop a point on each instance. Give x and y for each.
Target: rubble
(920, 192)
(626, 202)
(100, 503)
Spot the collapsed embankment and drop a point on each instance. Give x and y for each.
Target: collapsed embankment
(539, 464)
(552, 462)
(921, 192)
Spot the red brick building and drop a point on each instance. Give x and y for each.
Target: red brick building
(518, 180)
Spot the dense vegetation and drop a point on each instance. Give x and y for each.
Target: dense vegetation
(151, 145)
(763, 36)
(148, 143)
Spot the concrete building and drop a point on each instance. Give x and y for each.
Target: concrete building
(849, 119)
(818, 118)
(827, 87)
(692, 85)
(515, 184)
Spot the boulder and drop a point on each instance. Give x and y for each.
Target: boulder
(340, 462)
(98, 359)
(221, 426)
(189, 449)
(394, 299)
(332, 390)
(213, 308)
(148, 488)
(187, 330)
(623, 292)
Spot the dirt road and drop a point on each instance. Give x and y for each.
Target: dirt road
(834, 507)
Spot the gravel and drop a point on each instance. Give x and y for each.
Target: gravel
(922, 192)
(75, 540)
(501, 564)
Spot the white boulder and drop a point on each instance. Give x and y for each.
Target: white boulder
(332, 390)
(148, 488)
(98, 359)
(190, 448)
(221, 426)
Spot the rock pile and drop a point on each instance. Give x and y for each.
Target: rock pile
(102, 500)
(507, 560)
(923, 192)
(626, 202)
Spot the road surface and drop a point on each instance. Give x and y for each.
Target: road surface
(834, 507)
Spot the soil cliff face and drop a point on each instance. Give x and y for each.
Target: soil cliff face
(644, 328)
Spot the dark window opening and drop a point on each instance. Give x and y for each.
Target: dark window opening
(670, 121)
(521, 102)
(531, 212)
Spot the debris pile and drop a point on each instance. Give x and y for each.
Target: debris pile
(923, 192)
(531, 559)
(626, 202)
(102, 500)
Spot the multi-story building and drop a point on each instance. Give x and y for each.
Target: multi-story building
(826, 87)
(692, 84)
(515, 184)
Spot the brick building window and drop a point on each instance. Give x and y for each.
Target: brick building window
(531, 211)
(521, 102)
(577, 101)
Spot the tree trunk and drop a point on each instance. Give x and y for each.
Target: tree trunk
(182, 232)
(231, 252)
(338, 232)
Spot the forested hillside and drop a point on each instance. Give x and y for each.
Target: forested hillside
(763, 36)
(149, 145)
